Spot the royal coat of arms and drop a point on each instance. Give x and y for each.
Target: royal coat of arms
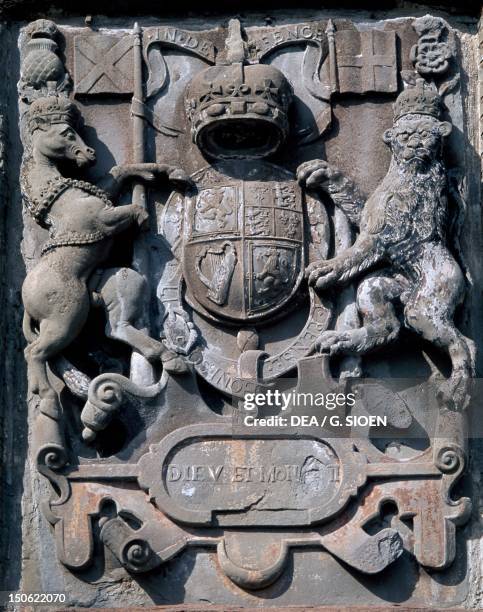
(231, 253)
(246, 240)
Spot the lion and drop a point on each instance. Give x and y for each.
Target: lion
(400, 252)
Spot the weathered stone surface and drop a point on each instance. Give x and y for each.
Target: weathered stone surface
(289, 203)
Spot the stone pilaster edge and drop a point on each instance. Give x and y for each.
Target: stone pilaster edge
(480, 86)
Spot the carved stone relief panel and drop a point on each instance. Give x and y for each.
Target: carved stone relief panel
(228, 211)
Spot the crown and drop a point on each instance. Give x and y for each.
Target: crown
(235, 94)
(52, 109)
(421, 99)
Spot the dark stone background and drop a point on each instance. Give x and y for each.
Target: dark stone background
(32, 9)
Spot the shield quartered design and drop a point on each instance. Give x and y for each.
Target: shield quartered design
(243, 249)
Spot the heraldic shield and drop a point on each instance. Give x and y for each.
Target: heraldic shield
(243, 240)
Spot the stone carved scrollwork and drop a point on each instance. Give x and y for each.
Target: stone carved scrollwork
(480, 81)
(264, 270)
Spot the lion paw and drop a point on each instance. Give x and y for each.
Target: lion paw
(317, 173)
(340, 342)
(322, 274)
(453, 392)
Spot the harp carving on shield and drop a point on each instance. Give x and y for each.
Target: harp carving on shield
(215, 267)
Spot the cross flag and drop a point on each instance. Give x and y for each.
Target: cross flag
(103, 64)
